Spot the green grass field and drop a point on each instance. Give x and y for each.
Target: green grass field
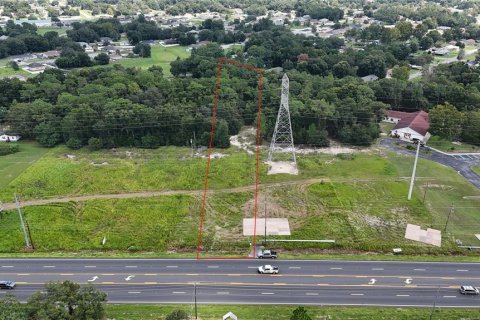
(447, 146)
(7, 71)
(60, 31)
(355, 200)
(476, 169)
(12, 165)
(249, 312)
(161, 56)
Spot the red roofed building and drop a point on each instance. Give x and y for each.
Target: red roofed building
(410, 126)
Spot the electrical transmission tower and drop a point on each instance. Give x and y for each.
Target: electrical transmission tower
(282, 141)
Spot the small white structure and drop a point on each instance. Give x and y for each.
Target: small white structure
(230, 315)
(429, 236)
(369, 78)
(8, 138)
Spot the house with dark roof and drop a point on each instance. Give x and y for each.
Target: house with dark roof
(410, 126)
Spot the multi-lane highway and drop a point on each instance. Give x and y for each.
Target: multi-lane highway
(236, 281)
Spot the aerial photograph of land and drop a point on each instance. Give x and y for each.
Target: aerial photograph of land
(243, 160)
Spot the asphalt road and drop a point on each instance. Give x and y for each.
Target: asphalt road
(236, 281)
(461, 164)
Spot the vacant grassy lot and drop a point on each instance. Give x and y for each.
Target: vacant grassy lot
(358, 200)
(213, 312)
(128, 225)
(161, 56)
(60, 31)
(448, 146)
(7, 71)
(12, 165)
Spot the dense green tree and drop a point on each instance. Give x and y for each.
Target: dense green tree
(470, 128)
(446, 121)
(11, 308)
(401, 73)
(67, 301)
(102, 59)
(143, 50)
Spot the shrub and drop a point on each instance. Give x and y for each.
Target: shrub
(95, 144)
(177, 315)
(8, 148)
(74, 143)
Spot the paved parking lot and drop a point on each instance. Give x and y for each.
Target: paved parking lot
(466, 157)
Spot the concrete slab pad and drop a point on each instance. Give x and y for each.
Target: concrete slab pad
(478, 236)
(282, 167)
(275, 227)
(429, 236)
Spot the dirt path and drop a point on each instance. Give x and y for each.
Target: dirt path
(147, 194)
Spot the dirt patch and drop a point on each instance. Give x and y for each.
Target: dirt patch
(282, 167)
(105, 163)
(245, 139)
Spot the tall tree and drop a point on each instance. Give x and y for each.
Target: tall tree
(446, 121)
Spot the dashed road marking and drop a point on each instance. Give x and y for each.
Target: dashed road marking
(419, 269)
(311, 294)
(90, 266)
(171, 266)
(178, 292)
(356, 294)
(294, 267)
(134, 292)
(403, 295)
(130, 266)
(213, 267)
(223, 292)
(7, 266)
(336, 268)
(267, 293)
(449, 296)
(461, 270)
(23, 274)
(49, 266)
(378, 269)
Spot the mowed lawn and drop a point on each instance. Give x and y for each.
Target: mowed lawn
(59, 30)
(7, 71)
(12, 165)
(360, 201)
(251, 312)
(161, 56)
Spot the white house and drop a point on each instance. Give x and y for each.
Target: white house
(410, 126)
(8, 138)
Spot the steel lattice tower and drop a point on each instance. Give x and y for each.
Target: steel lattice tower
(282, 136)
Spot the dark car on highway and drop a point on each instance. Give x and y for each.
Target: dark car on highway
(7, 284)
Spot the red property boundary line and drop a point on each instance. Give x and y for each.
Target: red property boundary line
(222, 61)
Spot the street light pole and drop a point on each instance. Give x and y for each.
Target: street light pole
(414, 170)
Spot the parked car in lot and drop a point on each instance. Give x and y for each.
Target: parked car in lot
(469, 290)
(7, 284)
(268, 269)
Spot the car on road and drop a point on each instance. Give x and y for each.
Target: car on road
(469, 290)
(267, 254)
(268, 269)
(7, 284)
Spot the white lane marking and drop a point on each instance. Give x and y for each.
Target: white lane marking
(172, 266)
(178, 292)
(378, 269)
(49, 266)
(267, 293)
(356, 294)
(66, 274)
(23, 274)
(90, 266)
(130, 266)
(311, 294)
(419, 269)
(129, 277)
(93, 279)
(461, 270)
(213, 267)
(134, 292)
(7, 266)
(449, 296)
(294, 267)
(252, 267)
(408, 281)
(403, 295)
(372, 281)
(223, 292)
(334, 268)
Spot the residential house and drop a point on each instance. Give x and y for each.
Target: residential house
(35, 67)
(410, 126)
(370, 77)
(50, 54)
(87, 47)
(8, 137)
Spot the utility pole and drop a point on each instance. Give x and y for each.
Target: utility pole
(265, 216)
(434, 303)
(414, 170)
(195, 295)
(30, 235)
(448, 217)
(27, 243)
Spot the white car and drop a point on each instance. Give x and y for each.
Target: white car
(268, 269)
(469, 290)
